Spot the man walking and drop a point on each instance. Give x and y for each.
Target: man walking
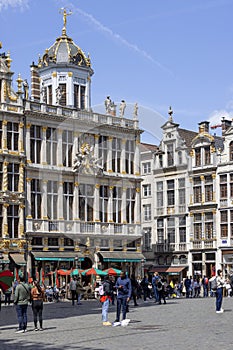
(155, 280)
(124, 289)
(21, 299)
(72, 288)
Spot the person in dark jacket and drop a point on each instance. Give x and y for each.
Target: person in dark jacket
(124, 290)
(21, 299)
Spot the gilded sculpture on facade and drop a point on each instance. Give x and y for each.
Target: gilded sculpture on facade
(85, 161)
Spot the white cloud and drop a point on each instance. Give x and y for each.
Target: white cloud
(217, 115)
(4, 4)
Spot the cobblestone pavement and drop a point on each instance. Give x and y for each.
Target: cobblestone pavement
(180, 324)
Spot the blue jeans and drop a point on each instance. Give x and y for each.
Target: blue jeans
(121, 302)
(218, 299)
(105, 306)
(156, 294)
(22, 316)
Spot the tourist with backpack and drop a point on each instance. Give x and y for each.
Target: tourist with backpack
(105, 292)
(217, 286)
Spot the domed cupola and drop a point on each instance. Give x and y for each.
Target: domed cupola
(63, 74)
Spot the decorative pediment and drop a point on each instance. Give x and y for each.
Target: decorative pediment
(85, 161)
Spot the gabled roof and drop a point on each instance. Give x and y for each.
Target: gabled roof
(187, 136)
(148, 147)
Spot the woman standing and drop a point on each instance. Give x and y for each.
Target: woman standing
(37, 294)
(220, 283)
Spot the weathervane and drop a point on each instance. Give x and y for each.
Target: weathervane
(65, 14)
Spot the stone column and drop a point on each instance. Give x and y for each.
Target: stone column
(21, 221)
(21, 178)
(44, 203)
(27, 141)
(4, 135)
(96, 147)
(59, 148)
(123, 206)
(60, 201)
(97, 203)
(137, 158)
(110, 204)
(123, 142)
(75, 146)
(43, 157)
(28, 199)
(109, 155)
(5, 223)
(5, 176)
(21, 137)
(76, 202)
(70, 90)
(137, 211)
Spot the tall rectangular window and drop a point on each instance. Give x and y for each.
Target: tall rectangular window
(147, 212)
(1, 221)
(223, 224)
(50, 95)
(12, 136)
(197, 192)
(116, 155)
(68, 189)
(117, 201)
(52, 197)
(182, 229)
(147, 238)
(51, 146)
(181, 191)
(35, 143)
(223, 186)
(146, 190)
(160, 231)
(207, 155)
(13, 177)
(159, 188)
(86, 202)
(171, 230)
(208, 188)
(209, 225)
(170, 193)
(67, 145)
(103, 151)
(130, 204)
(36, 196)
(63, 94)
(82, 97)
(104, 196)
(197, 156)
(170, 154)
(129, 157)
(13, 220)
(197, 226)
(1, 175)
(76, 96)
(231, 185)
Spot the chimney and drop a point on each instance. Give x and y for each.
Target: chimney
(35, 83)
(203, 127)
(225, 125)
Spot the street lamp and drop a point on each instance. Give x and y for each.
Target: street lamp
(142, 267)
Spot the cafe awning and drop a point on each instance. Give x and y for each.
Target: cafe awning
(122, 256)
(18, 259)
(168, 269)
(57, 256)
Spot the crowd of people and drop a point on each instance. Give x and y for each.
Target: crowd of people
(123, 289)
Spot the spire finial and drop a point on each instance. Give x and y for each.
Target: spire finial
(63, 11)
(170, 112)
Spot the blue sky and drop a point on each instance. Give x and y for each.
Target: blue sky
(158, 53)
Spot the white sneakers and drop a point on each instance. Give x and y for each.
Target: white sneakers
(220, 311)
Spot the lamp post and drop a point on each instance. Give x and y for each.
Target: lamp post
(142, 267)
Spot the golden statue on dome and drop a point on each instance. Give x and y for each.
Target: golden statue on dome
(63, 11)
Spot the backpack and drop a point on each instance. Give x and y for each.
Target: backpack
(159, 285)
(214, 284)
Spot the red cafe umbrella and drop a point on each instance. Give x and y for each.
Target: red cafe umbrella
(63, 272)
(112, 271)
(6, 279)
(93, 271)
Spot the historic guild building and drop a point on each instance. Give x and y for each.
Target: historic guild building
(70, 177)
(187, 206)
